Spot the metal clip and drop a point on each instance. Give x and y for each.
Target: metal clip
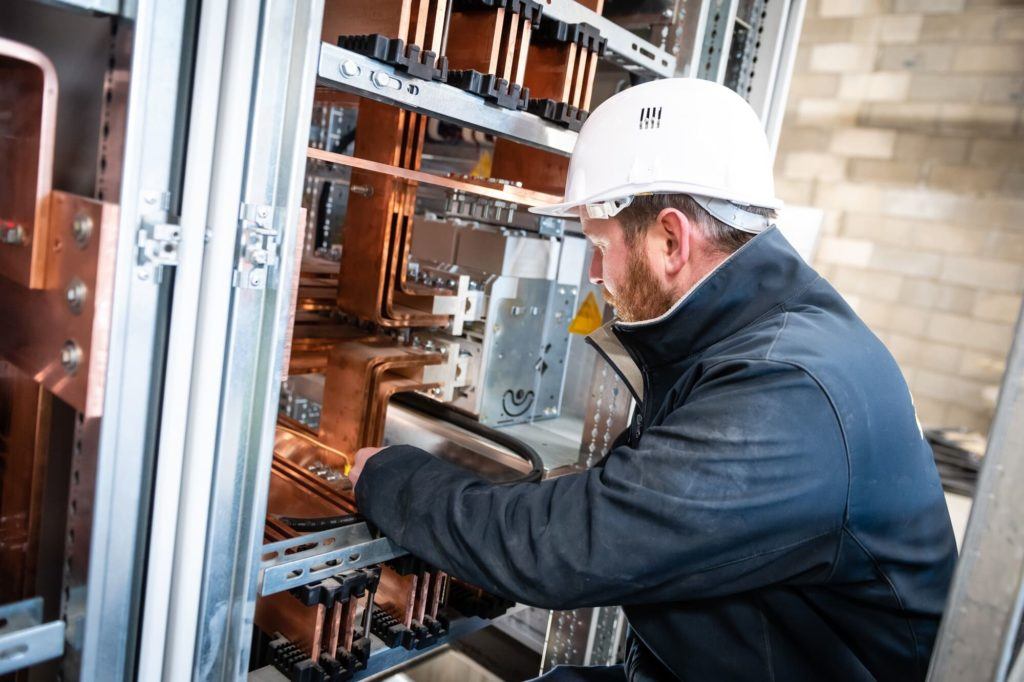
(157, 244)
(259, 246)
(551, 227)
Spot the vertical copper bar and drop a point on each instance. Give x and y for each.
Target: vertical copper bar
(436, 592)
(422, 593)
(578, 69)
(522, 50)
(348, 623)
(510, 33)
(588, 87)
(334, 633)
(436, 37)
(375, 241)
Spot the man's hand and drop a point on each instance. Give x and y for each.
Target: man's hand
(362, 455)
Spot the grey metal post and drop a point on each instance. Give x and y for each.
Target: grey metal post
(151, 178)
(983, 613)
(234, 437)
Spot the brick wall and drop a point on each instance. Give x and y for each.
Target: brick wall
(904, 123)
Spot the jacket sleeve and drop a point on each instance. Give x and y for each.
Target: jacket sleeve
(743, 484)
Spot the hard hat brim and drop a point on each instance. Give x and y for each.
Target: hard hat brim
(569, 209)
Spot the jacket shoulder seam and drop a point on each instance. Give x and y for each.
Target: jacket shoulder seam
(778, 335)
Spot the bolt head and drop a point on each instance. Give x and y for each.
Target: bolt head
(70, 356)
(81, 229)
(349, 69)
(75, 295)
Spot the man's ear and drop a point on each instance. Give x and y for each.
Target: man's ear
(675, 230)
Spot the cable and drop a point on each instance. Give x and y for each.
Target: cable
(445, 413)
(311, 525)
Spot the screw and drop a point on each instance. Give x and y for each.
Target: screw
(75, 295)
(381, 79)
(361, 190)
(256, 278)
(349, 69)
(70, 356)
(81, 229)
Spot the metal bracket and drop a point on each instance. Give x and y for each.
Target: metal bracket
(551, 227)
(259, 249)
(157, 244)
(327, 553)
(24, 639)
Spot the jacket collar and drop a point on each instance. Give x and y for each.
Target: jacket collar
(759, 276)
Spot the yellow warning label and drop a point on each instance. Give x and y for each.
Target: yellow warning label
(482, 169)
(588, 317)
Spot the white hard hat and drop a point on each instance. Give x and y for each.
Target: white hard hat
(671, 136)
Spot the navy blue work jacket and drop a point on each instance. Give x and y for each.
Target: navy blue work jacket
(773, 512)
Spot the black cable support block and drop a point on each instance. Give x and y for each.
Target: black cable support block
(491, 88)
(555, 31)
(412, 59)
(529, 9)
(558, 112)
(390, 631)
(293, 663)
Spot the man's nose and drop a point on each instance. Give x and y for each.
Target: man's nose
(596, 275)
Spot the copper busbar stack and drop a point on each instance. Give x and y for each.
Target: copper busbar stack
(488, 46)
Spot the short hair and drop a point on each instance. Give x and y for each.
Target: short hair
(641, 214)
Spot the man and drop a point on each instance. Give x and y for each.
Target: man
(773, 512)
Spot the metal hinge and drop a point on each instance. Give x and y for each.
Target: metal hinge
(157, 243)
(259, 246)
